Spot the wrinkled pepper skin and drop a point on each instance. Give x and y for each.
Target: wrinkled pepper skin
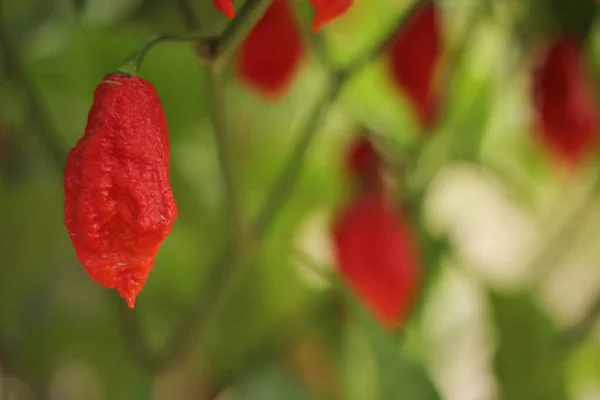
(271, 54)
(226, 7)
(564, 102)
(119, 206)
(413, 57)
(328, 10)
(376, 256)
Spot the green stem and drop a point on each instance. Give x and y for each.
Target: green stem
(226, 272)
(134, 61)
(315, 41)
(238, 29)
(225, 149)
(282, 188)
(396, 26)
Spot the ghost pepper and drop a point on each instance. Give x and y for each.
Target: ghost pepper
(270, 56)
(413, 57)
(373, 245)
(119, 206)
(377, 257)
(564, 102)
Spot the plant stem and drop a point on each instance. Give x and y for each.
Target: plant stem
(315, 41)
(134, 61)
(284, 184)
(396, 26)
(227, 156)
(238, 29)
(225, 272)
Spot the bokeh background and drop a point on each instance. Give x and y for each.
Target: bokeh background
(509, 238)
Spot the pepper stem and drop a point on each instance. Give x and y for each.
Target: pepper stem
(134, 61)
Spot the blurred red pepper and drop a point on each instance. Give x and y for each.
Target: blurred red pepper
(413, 57)
(119, 206)
(328, 10)
(377, 257)
(374, 247)
(226, 7)
(564, 102)
(269, 57)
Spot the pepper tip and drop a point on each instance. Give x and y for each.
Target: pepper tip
(129, 296)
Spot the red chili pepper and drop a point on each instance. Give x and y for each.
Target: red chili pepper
(377, 257)
(364, 164)
(328, 10)
(226, 7)
(270, 56)
(413, 58)
(564, 103)
(119, 206)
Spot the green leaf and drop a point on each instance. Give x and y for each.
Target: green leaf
(528, 363)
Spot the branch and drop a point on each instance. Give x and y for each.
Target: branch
(224, 272)
(238, 29)
(315, 41)
(396, 26)
(226, 152)
(282, 188)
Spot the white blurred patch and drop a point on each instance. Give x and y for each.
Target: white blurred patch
(570, 289)
(314, 240)
(76, 379)
(589, 393)
(458, 338)
(491, 233)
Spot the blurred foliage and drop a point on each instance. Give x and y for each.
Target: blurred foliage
(528, 362)
(282, 334)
